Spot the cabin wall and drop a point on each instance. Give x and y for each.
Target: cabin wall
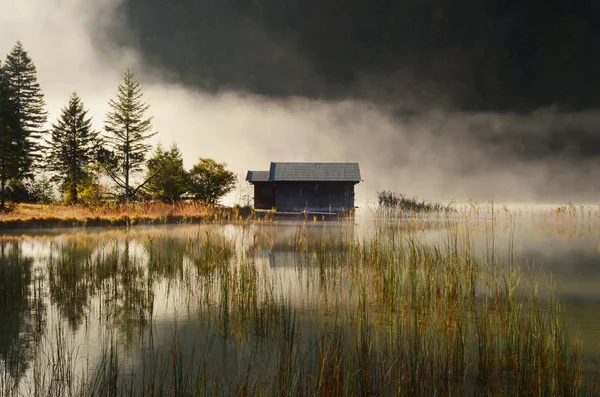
(264, 195)
(314, 196)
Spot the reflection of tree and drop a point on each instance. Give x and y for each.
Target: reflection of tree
(166, 257)
(69, 280)
(79, 271)
(21, 311)
(126, 293)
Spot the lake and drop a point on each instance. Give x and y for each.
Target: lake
(478, 301)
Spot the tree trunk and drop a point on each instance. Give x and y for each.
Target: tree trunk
(3, 188)
(3, 193)
(127, 167)
(74, 198)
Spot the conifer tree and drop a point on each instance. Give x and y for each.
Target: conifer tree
(30, 107)
(11, 150)
(128, 131)
(72, 148)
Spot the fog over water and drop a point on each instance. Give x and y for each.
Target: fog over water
(406, 144)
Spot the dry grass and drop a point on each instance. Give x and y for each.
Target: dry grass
(113, 213)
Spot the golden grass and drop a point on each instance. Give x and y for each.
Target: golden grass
(113, 213)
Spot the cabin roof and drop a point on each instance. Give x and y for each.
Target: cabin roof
(257, 176)
(344, 172)
(307, 172)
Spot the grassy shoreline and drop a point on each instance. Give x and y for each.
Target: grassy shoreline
(27, 216)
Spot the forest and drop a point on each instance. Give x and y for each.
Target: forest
(71, 163)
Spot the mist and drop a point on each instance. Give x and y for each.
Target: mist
(432, 151)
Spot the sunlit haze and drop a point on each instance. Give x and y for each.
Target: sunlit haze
(438, 152)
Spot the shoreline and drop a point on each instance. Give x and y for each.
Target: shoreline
(68, 222)
(33, 216)
(40, 216)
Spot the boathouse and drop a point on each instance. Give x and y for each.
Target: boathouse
(326, 188)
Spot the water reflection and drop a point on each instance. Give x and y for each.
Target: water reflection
(99, 278)
(69, 280)
(229, 283)
(22, 310)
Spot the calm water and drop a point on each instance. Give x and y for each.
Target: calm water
(149, 286)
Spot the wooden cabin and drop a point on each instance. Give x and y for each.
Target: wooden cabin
(320, 188)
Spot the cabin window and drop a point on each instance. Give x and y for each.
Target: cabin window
(267, 190)
(316, 187)
(300, 192)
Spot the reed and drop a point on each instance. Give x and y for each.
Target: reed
(390, 313)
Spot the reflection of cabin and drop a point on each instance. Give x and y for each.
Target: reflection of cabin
(305, 187)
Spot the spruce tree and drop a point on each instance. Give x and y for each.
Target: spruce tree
(72, 148)
(128, 131)
(11, 149)
(30, 107)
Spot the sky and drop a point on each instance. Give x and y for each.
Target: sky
(481, 100)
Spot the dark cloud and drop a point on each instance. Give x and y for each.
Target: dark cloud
(478, 90)
(498, 55)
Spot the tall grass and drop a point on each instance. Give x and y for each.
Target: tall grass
(392, 201)
(384, 314)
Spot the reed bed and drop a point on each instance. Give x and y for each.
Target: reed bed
(387, 313)
(115, 214)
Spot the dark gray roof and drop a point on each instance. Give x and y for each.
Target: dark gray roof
(318, 172)
(257, 176)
